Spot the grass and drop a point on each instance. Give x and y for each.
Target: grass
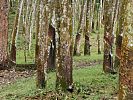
(93, 57)
(90, 84)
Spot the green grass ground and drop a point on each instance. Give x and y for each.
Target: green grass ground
(90, 84)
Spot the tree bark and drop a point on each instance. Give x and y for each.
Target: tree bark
(15, 32)
(64, 53)
(99, 24)
(79, 35)
(119, 33)
(108, 37)
(87, 29)
(13, 44)
(42, 44)
(3, 32)
(126, 57)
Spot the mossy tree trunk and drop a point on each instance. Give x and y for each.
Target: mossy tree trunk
(119, 33)
(79, 35)
(108, 37)
(64, 53)
(42, 43)
(3, 32)
(126, 60)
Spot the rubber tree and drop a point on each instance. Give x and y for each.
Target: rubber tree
(119, 32)
(42, 42)
(108, 37)
(65, 45)
(3, 32)
(87, 29)
(79, 34)
(15, 32)
(126, 56)
(99, 8)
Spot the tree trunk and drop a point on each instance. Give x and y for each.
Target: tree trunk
(52, 49)
(79, 35)
(13, 44)
(42, 41)
(108, 37)
(14, 33)
(126, 70)
(92, 10)
(87, 29)
(99, 24)
(119, 33)
(77, 45)
(3, 32)
(64, 53)
(126, 60)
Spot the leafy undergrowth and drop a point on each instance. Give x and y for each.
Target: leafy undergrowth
(90, 83)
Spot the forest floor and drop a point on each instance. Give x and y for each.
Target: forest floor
(11, 75)
(90, 83)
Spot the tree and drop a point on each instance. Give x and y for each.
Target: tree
(15, 33)
(126, 60)
(42, 42)
(65, 50)
(108, 37)
(87, 28)
(3, 32)
(119, 33)
(79, 34)
(99, 8)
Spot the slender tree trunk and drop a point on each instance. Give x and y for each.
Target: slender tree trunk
(64, 62)
(108, 38)
(118, 35)
(92, 21)
(126, 57)
(15, 33)
(77, 44)
(87, 30)
(37, 33)
(33, 10)
(3, 32)
(42, 41)
(13, 44)
(99, 24)
(98, 36)
(98, 27)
